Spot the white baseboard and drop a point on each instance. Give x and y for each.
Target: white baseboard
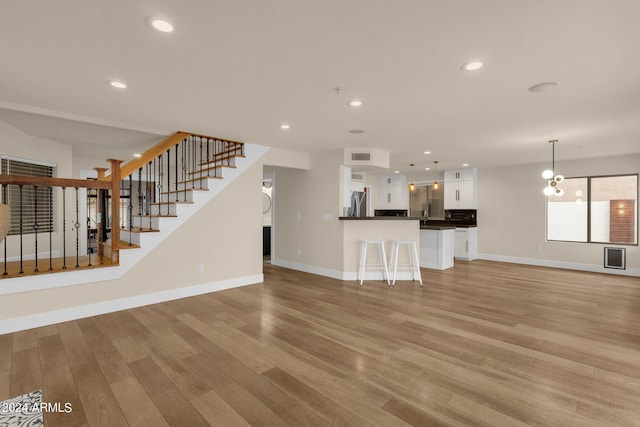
(335, 274)
(64, 315)
(560, 264)
(375, 275)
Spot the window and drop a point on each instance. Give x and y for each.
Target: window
(42, 199)
(601, 209)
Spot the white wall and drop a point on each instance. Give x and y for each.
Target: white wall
(287, 159)
(307, 230)
(511, 215)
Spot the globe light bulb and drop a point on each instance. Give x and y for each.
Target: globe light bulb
(548, 191)
(548, 174)
(558, 178)
(559, 192)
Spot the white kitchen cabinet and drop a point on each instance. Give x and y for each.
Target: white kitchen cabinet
(394, 192)
(393, 180)
(436, 248)
(460, 175)
(466, 243)
(460, 189)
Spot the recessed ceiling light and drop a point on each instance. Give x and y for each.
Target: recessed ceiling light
(285, 126)
(472, 66)
(427, 169)
(427, 152)
(356, 131)
(543, 87)
(355, 103)
(117, 84)
(159, 24)
(137, 155)
(465, 164)
(396, 171)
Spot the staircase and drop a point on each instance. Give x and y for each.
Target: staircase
(166, 179)
(157, 192)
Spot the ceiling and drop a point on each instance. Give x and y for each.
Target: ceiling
(238, 69)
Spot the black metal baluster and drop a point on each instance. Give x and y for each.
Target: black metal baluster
(89, 250)
(77, 227)
(200, 168)
(102, 228)
(160, 175)
(130, 207)
(193, 163)
(35, 224)
(140, 200)
(168, 179)
(4, 199)
(50, 228)
(185, 145)
(208, 164)
(176, 169)
(149, 195)
(155, 190)
(21, 271)
(64, 228)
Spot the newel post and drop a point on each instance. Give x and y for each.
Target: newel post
(115, 210)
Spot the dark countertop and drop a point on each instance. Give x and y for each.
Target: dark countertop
(437, 227)
(430, 224)
(380, 218)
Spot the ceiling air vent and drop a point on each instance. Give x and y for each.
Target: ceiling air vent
(361, 157)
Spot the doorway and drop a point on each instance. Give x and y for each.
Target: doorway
(267, 216)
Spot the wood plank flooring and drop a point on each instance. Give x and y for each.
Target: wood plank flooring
(482, 344)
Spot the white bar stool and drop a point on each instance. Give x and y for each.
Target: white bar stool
(414, 264)
(383, 260)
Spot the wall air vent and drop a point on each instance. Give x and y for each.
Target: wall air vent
(615, 258)
(358, 176)
(361, 157)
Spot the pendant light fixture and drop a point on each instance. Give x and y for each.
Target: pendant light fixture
(435, 184)
(549, 175)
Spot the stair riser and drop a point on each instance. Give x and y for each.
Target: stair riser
(167, 209)
(125, 235)
(198, 183)
(229, 162)
(143, 222)
(171, 197)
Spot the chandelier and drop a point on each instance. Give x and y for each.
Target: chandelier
(552, 179)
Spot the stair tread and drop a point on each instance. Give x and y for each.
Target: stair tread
(198, 179)
(179, 202)
(140, 230)
(155, 216)
(182, 191)
(13, 267)
(124, 245)
(220, 159)
(212, 168)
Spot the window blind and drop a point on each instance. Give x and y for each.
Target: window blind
(45, 213)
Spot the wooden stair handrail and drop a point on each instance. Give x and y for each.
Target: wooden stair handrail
(150, 154)
(159, 149)
(42, 181)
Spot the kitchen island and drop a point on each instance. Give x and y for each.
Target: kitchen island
(431, 241)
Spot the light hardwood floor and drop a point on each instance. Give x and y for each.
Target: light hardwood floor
(484, 343)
